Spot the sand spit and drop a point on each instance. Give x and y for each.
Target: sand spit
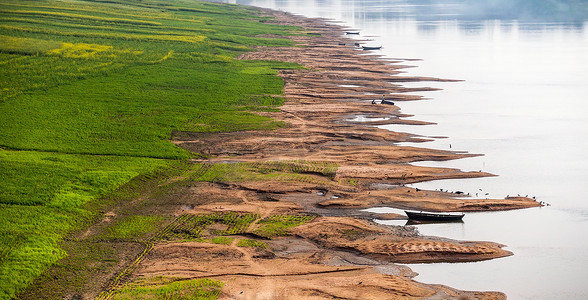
(341, 253)
(252, 274)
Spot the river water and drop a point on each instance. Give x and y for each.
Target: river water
(523, 103)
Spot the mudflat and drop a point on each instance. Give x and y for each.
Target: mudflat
(302, 234)
(338, 252)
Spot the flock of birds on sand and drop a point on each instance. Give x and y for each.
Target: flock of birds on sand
(543, 203)
(403, 177)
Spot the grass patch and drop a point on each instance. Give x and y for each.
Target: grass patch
(189, 289)
(30, 236)
(65, 181)
(278, 225)
(223, 240)
(251, 243)
(207, 227)
(127, 116)
(189, 226)
(287, 170)
(133, 227)
(83, 266)
(42, 199)
(26, 46)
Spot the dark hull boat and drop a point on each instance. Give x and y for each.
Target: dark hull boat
(430, 216)
(371, 48)
(352, 32)
(421, 222)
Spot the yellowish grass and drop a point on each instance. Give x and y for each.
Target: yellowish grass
(12, 44)
(85, 17)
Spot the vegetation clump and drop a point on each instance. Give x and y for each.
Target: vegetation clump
(205, 289)
(278, 225)
(283, 170)
(200, 226)
(251, 243)
(191, 226)
(133, 227)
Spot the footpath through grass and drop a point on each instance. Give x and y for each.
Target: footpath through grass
(90, 92)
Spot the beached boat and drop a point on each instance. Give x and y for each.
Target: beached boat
(433, 216)
(371, 48)
(352, 32)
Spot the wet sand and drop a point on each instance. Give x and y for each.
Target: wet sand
(341, 253)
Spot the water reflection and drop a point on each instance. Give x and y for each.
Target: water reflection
(548, 260)
(575, 13)
(416, 222)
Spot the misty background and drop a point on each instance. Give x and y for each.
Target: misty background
(526, 10)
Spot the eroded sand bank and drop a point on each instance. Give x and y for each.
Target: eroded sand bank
(341, 253)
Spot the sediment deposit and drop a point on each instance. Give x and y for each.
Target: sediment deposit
(341, 253)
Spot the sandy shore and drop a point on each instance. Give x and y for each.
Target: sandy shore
(341, 253)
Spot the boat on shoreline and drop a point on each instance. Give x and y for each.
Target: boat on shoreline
(371, 48)
(433, 216)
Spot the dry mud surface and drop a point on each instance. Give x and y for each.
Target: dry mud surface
(341, 253)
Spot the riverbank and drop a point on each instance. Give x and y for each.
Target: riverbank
(259, 207)
(356, 257)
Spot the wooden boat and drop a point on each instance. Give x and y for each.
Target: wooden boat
(431, 216)
(421, 222)
(371, 48)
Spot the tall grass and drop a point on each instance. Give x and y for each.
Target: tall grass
(133, 227)
(90, 92)
(42, 199)
(190, 289)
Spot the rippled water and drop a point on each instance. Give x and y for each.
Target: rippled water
(524, 104)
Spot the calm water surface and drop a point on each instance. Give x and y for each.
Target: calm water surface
(524, 104)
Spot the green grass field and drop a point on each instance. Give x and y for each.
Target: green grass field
(202, 289)
(90, 92)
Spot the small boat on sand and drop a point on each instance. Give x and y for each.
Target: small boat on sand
(371, 48)
(352, 32)
(433, 216)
